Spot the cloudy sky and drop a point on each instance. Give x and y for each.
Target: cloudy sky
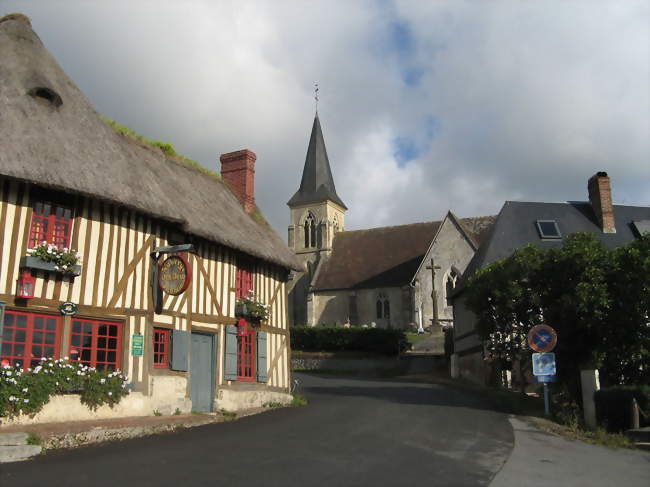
(425, 106)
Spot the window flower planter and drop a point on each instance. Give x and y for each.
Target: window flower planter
(251, 311)
(30, 262)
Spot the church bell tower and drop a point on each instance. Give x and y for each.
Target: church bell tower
(317, 214)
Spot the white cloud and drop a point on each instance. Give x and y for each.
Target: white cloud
(529, 98)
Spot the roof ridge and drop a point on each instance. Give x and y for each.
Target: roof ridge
(391, 226)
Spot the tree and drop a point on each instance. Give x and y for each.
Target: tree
(504, 300)
(575, 299)
(626, 358)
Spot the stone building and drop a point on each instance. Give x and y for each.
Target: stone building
(379, 276)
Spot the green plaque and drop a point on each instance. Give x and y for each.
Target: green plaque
(137, 345)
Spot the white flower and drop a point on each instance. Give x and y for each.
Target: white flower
(65, 358)
(25, 389)
(110, 393)
(25, 401)
(8, 373)
(102, 381)
(29, 251)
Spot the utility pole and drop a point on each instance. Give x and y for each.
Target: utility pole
(434, 294)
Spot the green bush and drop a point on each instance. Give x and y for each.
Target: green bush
(326, 339)
(27, 391)
(613, 406)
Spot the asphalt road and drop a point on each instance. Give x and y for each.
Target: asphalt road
(354, 432)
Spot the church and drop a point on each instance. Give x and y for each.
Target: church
(392, 276)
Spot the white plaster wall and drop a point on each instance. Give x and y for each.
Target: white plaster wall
(331, 307)
(237, 400)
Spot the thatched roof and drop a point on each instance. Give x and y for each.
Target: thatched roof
(52, 136)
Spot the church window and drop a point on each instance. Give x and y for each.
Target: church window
(450, 285)
(383, 306)
(310, 231)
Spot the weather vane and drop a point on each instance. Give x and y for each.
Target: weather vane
(316, 95)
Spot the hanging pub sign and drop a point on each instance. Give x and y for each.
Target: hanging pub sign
(174, 275)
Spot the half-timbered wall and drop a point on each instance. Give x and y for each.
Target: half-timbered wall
(115, 243)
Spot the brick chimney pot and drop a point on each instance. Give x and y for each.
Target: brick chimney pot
(600, 197)
(238, 171)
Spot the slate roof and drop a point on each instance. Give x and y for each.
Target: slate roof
(384, 256)
(317, 184)
(64, 144)
(515, 227)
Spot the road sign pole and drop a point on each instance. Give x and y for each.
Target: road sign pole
(547, 409)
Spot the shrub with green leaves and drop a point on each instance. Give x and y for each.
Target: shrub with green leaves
(384, 341)
(28, 390)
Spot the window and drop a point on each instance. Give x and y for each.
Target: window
(450, 285)
(548, 229)
(27, 337)
(246, 352)
(161, 348)
(96, 343)
(310, 231)
(244, 278)
(383, 306)
(52, 223)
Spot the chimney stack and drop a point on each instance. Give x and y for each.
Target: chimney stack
(238, 171)
(600, 197)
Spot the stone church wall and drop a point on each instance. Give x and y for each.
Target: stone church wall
(451, 250)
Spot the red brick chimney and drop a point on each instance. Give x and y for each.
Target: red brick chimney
(600, 197)
(238, 171)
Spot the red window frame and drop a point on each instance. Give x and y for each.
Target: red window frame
(161, 348)
(51, 223)
(246, 352)
(244, 279)
(96, 343)
(25, 341)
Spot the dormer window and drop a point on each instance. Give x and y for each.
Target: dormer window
(46, 95)
(52, 223)
(548, 230)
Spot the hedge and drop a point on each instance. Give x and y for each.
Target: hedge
(613, 406)
(327, 339)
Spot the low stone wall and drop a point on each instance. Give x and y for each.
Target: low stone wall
(234, 400)
(403, 364)
(69, 407)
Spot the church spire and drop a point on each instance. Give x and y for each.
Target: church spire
(317, 184)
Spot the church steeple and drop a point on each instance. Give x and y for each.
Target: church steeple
(317, 184)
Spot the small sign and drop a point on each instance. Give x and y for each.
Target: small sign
(544, 364)
(542, 338)
(68, 308)
(137, 345)
(174, 276)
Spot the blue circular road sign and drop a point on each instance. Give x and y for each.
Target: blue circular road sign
(542, 338)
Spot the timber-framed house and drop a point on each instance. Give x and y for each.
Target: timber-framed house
(166, 250)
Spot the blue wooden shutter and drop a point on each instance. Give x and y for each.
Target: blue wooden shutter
(230, 369)
(261, 357)
(180, 349)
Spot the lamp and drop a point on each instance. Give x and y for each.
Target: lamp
(25, 285)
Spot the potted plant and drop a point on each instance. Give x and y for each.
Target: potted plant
(50, 258)
(251, 309)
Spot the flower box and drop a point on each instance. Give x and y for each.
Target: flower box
(30, 262)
